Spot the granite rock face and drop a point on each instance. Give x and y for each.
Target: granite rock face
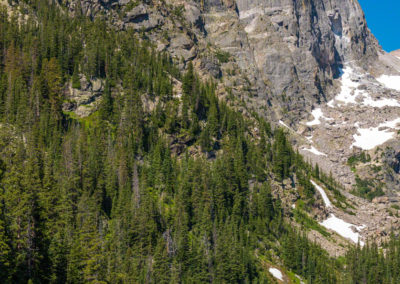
(287, 52)
(292, 50)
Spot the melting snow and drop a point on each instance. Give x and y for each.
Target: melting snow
(343, 228)
(369, 138)
(314, 151)
(348, 85)
(276, 273)
(338, 225)
(323, 194)
(368, 101)
(349, 92)
(391, 82)
(317, 113)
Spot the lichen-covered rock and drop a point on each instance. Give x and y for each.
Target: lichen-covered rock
(85, 100)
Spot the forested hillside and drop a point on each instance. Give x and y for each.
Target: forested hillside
(180, 192)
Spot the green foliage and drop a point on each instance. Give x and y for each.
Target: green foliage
(358, 158)
(124, 195)
(309, 223)
(367, 188)
(76, 83)
(282, 155)
(307, 259)
(370, 264)
(223, 56)
(132, 4)
(178, 11)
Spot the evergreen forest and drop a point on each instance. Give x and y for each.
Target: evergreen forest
(154, 186)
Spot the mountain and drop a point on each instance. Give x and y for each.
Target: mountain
(282, 48)
(197, 141)
(314, 66)
(395, 53)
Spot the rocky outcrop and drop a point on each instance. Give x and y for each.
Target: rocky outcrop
(83, 100)
(286, 53)
(291, 50)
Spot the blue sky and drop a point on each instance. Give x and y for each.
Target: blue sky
(383, 18)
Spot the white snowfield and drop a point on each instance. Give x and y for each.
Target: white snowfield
(369, 138)
(343, 228)
(317, 113)
(391, 82)
(276, 273)
(349, 91)
(338, 225)
(314, 151)
(323, 194)
(348, 85)
(368, 101)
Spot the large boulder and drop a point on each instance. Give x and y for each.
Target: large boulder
(137, 14)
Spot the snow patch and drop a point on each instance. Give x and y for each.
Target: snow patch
(369, 138)
(343, 228)
(317, 113)
(368, 101)
(276, 273)
(338, 225)
(391, 82)
(323, 194)
(348, 86)
(349, 93)
(314, 151)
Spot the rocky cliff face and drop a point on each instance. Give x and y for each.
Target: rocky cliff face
(291, 49)
(287, 52)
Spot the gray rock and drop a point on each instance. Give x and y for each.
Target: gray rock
(137, 14)
(97, 85)
(211, 66)
(181, 41)
(193, 15)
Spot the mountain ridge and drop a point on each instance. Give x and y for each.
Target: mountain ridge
(197, 141)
